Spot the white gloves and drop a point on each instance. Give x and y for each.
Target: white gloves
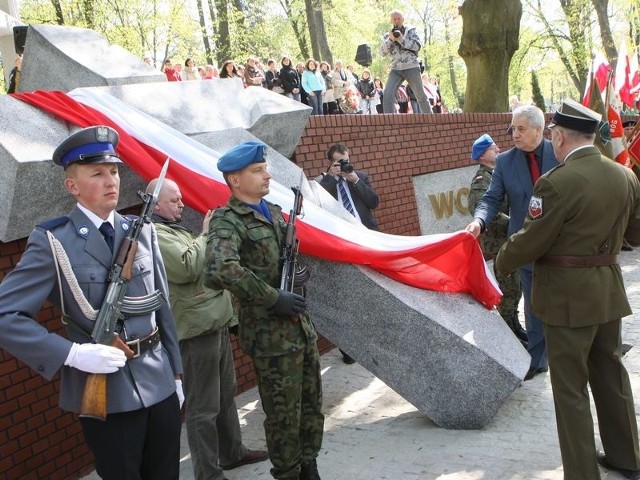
(180, 392)
(95, 358)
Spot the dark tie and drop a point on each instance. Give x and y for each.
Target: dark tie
(345, 198)
(533, 167)
(107, 232)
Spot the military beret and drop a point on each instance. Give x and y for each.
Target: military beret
(629, 123)
(89, 145)
(480, 146)
(240, 156)
(575, 116)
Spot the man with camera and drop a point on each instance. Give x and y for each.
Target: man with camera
(402, 43)
(350, 187)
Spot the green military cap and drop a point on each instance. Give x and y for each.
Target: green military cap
(575, 116)
(89, 145)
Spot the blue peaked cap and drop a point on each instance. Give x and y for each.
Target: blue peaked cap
(240, 156)
(89, 145)
(480, 146)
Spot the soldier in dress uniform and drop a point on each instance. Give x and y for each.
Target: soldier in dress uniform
(484, 151)
(578, 216)
(140, 437)
(243, 256)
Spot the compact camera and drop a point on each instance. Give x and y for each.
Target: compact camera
(345, 166)
(396, 32)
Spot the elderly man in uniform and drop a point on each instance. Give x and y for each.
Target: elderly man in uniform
(140, 437)
(516, 172)
(202, 318)
(484, 151)
(578, 216)
(243, 256)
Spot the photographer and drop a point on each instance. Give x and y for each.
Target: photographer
(353, 190)
(350, 187)
(402, 43)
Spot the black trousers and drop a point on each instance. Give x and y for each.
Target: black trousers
(139, 445)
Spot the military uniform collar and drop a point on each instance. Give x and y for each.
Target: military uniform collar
(95, 219)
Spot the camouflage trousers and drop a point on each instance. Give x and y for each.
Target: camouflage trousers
(291, 392)
(511, 293)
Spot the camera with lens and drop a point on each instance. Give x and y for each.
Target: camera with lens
(396, 32)
(345, 166)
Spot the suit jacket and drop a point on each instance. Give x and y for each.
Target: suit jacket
(364, 197)
(143, 381)
(511, 178)
(581, 201)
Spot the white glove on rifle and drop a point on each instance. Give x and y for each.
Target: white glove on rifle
(180, 392)
(95, 358)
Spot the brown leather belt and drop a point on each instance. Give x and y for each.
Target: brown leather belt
(141, 345)
(576, 261)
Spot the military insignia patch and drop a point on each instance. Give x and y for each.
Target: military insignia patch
(83, 231)
(535, 208)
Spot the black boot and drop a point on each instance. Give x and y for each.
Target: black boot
(309, 471)
(516, 328)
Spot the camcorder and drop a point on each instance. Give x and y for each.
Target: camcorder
(345, 166)
(396, 32)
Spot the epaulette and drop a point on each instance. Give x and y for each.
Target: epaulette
(53, 223)
(220, 211)
(131, 217)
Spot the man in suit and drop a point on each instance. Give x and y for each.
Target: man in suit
(202, 319)
(578, 216)
(140, 437)
(352, 188)
(517, 170)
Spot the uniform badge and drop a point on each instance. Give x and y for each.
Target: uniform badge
(125, 226)
(535, 208)
(102, 134)
(83, 231)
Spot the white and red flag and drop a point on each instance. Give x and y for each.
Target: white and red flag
(446, 262)
(598, 69)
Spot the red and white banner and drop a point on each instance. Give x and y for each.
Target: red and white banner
(445, 263)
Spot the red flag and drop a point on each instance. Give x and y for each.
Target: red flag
(445, 263)
(599, 69)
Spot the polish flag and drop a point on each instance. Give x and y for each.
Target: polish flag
(622, 79)
(599, 69)
(618, 139)
(445, 262)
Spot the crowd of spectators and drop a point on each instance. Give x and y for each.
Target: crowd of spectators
(327, 90)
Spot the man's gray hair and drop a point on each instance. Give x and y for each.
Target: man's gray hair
(396, 12)
(531, 113)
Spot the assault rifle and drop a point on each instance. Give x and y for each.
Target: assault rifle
(115, 306)
(293, 276)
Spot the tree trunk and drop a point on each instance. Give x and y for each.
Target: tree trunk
(58, 8)
(609, 45)
(203, 30)
(487, 46)
(577, 14)
(298, 29)
(223, 42)
(450, 61)
(315, 20)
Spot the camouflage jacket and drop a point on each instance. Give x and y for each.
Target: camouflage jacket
(243, 256)
(495, 233)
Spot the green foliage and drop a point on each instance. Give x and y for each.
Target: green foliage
(538, 98)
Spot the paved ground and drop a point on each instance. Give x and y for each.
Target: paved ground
(371, 433)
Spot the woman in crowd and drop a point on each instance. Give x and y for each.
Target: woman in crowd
(272, 77)
(190, 71)
(312, 83)
(210, 72)
(329, 104)
(229, 70)
(290, 80)
(367, 93)
(379, 88)
(253, 75)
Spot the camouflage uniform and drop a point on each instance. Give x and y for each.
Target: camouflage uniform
(491, 240)
(243, 256)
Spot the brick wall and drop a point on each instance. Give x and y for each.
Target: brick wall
(38, 440)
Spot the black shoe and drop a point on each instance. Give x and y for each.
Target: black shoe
(309, 471)
(630, 474)
(347, 359)
(534, 371)
(626, 247)
(252, 456)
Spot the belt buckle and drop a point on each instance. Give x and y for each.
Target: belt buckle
(135, 345)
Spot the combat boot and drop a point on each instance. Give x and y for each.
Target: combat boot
(516, 328)
(309, 471)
